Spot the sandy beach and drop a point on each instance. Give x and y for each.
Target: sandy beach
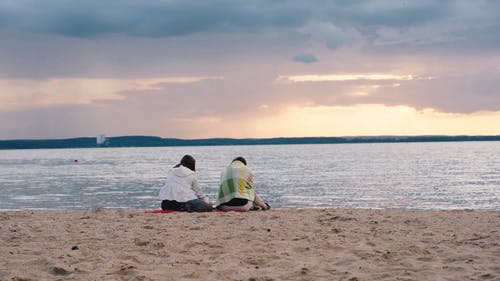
(299, 244)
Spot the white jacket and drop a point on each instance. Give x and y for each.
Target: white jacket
(182, 186)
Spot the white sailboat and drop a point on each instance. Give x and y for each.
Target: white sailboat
(101, 140)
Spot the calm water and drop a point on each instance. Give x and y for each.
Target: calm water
(397, 175)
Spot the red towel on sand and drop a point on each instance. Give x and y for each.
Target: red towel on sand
(174, 211)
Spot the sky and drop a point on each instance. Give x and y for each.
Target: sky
(248, 69)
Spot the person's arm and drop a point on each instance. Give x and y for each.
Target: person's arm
(259, 202)
(197, 190)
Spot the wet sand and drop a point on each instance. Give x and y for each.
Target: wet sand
(305, 244)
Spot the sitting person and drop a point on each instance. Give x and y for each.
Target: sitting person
(236, 191)
(181, 191)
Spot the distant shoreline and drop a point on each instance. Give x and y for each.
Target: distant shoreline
(152, 141)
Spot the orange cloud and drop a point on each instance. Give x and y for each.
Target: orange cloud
(342, 77)
(26, 93)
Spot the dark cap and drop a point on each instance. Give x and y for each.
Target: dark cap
(241, 159)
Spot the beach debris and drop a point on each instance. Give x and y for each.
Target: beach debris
(140, 242)
(419, 251)
(20, 279)
(336, 230)
(158, 245)
(74, 248)
(58, 271)
(124, 270)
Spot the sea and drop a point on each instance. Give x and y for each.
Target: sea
(420, 175)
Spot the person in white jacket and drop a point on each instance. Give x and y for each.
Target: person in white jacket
(181, 191)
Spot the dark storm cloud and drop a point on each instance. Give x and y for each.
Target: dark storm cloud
(415, 26)
(388, 12)
(350, 22)
(171, 18)
(147, 18)
(305, 58)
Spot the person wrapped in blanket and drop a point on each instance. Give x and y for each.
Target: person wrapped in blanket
(236, 191)
(181, 191)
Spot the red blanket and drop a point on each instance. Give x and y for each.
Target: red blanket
(174, 211)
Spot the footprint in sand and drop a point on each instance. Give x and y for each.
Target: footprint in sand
(140, 242)
(125, 270)
(20, 279)
(59, 271)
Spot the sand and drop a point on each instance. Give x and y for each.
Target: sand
(306, 244)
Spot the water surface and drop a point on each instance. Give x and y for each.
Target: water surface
(447, 175)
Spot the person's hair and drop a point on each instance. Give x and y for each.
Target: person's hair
(241, 159)
(188, 162)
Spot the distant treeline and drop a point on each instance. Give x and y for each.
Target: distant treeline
(148, 141)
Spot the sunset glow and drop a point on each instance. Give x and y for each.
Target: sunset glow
(343, 77)
(369, 120)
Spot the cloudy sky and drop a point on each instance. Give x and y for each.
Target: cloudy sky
(225, 68)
